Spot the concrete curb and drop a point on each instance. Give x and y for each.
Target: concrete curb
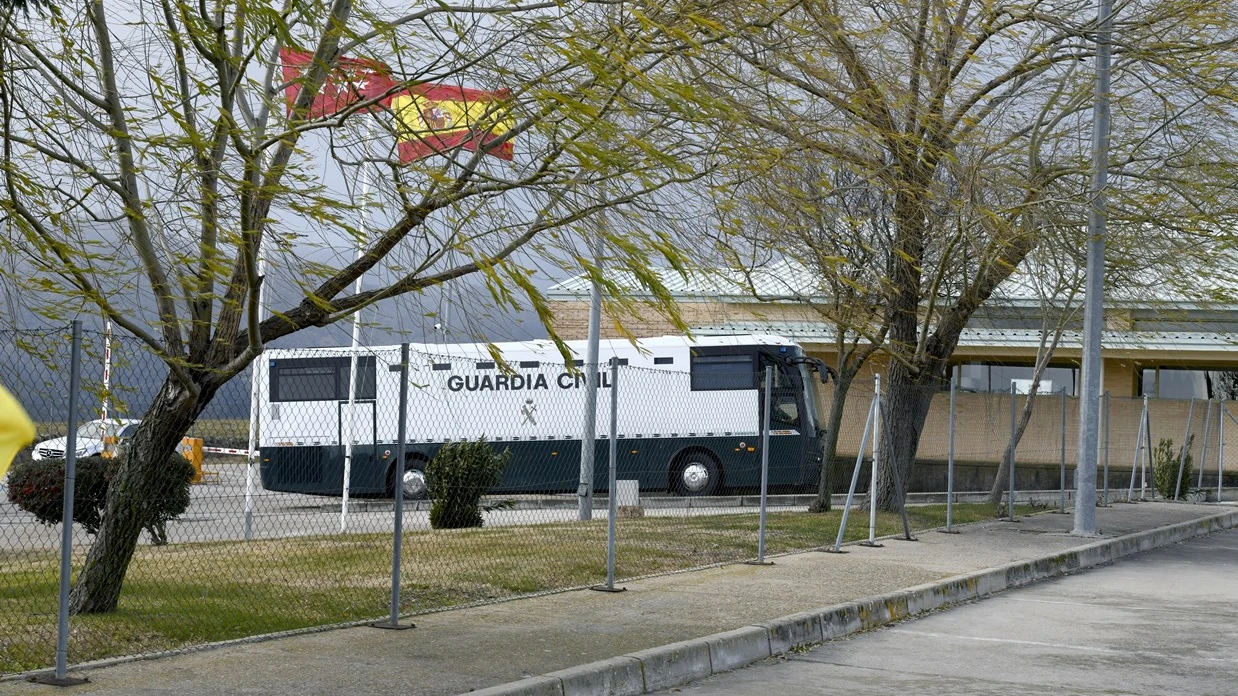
(659, 668)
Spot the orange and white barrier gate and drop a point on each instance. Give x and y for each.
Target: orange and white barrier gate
(227, 450)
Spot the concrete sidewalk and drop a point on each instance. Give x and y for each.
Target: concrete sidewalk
(453, 652)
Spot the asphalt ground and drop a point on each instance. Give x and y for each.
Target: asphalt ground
(217, 512)
(1162, 622)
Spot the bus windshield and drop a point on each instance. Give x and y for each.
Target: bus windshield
(810, 397)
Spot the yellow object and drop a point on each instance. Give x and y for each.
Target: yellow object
(109, 446)
(16, 430)
(191, 449)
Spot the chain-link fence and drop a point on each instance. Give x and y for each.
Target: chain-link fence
(303, 534)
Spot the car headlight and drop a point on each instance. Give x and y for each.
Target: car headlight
(81, 452)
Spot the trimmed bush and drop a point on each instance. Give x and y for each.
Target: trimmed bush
(457, 478)
(1166, 475)
(38, 488)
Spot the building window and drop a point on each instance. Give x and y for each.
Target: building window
(997, 377)
(1185, 383)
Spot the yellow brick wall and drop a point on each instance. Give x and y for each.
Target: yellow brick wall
(983, 420)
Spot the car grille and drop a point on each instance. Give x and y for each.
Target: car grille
(50, 453)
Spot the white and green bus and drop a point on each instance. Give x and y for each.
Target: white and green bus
(689, 417)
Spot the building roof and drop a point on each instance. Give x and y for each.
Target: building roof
(788, 280)
(1187, 341)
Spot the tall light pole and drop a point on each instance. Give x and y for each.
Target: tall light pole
(585, 491)
(1094, 299)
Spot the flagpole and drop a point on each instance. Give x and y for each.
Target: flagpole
(254, 394)
(107, 377)
(365, 176)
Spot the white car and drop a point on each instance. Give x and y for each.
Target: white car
(90, 438)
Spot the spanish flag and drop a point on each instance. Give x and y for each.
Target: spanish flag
(16, 430)
(434, 119)
(353, 80)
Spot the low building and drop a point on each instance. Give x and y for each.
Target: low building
(1176, 351)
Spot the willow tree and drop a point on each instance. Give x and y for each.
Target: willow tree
(159, 148)
(971, 118)
(798, 233)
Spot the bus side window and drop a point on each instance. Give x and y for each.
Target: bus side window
(722, 372)
(321, 379)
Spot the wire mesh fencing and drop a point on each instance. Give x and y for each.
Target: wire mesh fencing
(274, 508)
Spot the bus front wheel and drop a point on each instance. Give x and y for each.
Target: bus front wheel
(413, 481)
(696, 473)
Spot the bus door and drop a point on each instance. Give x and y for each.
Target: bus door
(789, 424)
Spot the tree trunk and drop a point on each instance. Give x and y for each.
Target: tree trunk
(906, 404)
(1000, 483)
(829, 445)
(127, 512)
(907, 401)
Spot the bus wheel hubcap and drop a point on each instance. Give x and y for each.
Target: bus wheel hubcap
(414, 483)
(695, 477)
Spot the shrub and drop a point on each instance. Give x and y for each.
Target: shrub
(38, 488)
(1165, 476)
(458, 476)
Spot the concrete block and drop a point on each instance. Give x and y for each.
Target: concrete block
(990, 581)
(792, 631)
(675, 664)
(619, 676)
(924, 598)
(533, 686)
(627, 499)
(738, 648)
(840, 620)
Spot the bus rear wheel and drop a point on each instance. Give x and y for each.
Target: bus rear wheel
(412, 483)
(696, 473)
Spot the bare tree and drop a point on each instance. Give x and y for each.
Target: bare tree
(801, 234)
(151, 151)
(1056, 278)
(967, 117)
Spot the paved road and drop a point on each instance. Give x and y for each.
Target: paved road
(1162, 623)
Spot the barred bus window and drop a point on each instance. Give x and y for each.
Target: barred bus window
(321, 379)
(717, 372)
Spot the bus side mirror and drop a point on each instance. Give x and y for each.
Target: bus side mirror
(825, 371)
(819, 365)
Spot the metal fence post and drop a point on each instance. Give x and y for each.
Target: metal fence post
(1221, 413)
(1203, 452)
(1061, 503)
(397, 541)
(765, 426)
(1137, 462)
(1147, 462)
(872, 485)
(855, 479)
(612, 495)
(1013, 427)
(1186, 441)
(1105, 500)
(60, 678)
(954, 383)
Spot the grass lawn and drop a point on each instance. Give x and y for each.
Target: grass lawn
(184, 594)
